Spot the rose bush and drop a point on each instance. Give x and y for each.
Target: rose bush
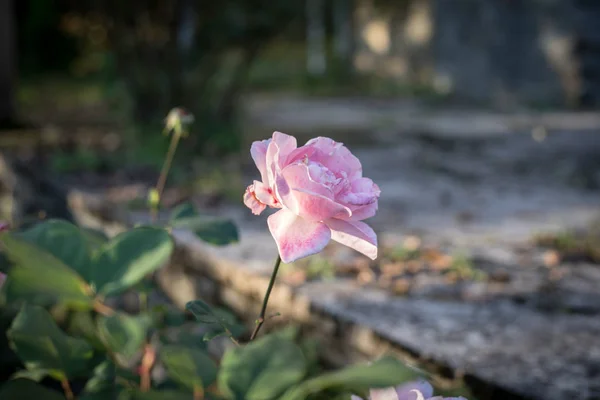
(321, 194)
(60, 334)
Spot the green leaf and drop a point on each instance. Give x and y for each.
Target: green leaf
(82, 324)
(54, 250)
(202, 311)
(208, 336)
(26, 389)
(64, 241)
(382, 373)
(102, 384)
(190, 367)
(261, 370)
(217, 231)
(94, 237)
(230, 321)
(125, 260)
(123, 334)
(186, 336)
(34, 375)
(41, 345)
(8, 358)
(210, 316)
(40, 277)
(182, 211)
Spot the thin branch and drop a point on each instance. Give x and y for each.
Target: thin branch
(67, 389)
(148, 360)
(103, 309)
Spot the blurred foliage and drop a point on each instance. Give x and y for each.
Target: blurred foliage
(41, 19)
(184, 52)
(135, 60)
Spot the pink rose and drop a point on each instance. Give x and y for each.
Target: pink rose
(417, 390)
(321, 192)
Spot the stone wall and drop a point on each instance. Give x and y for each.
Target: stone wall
(503, 52)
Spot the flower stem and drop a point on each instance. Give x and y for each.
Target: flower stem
(261, 318)
(162, 179)
(67, 389)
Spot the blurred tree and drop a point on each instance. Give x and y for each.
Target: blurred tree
(7, 63)
(42, 19)
(343, 30)
(192, 53)
(316, 59)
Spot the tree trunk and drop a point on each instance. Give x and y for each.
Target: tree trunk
(7, 61)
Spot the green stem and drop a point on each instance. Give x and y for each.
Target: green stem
(261, 318)
(162, 179)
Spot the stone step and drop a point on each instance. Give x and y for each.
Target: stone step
(509, 348)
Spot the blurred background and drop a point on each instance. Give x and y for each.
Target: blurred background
(465, 91)
(477, 118)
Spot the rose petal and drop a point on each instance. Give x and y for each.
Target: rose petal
(362, 198)
(383, 394)
(306, 197)
(277, 152)
(297, 237)
(264, 194)
(286, 144)
(252, 202)
(314, 207)
(279, 148)
(298, 176)
(407, 390)
(354, 234)
(299, 154)
(361, 192)
(258, 151)
(446, 398)
(418, 394)
(362, 212)
(335, 156)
